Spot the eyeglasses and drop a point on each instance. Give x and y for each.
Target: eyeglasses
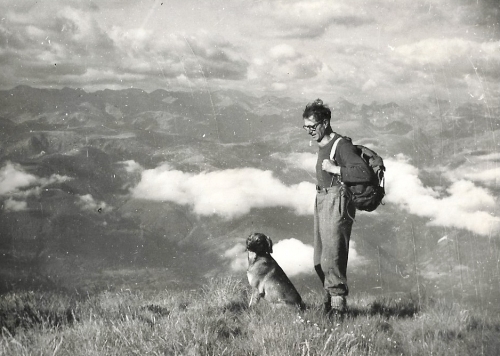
(310, 128)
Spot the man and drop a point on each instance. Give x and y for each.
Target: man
(334, 212)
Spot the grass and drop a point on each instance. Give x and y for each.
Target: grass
(216, 320)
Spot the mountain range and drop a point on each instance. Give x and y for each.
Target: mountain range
(72, 214)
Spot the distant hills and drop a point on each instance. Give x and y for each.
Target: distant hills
(78, 218)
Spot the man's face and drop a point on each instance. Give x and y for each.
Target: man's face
(315, 129)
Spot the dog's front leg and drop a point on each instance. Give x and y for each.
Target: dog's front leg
(254, 299)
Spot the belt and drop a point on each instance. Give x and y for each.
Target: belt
(326, 190)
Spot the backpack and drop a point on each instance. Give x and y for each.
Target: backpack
(367, 197)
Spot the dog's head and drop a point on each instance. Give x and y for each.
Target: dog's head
(259, 243)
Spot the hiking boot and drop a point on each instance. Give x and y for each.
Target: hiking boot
(336, 309)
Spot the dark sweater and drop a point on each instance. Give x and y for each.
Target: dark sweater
(353, 169)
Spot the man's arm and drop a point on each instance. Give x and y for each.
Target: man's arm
(353, 169)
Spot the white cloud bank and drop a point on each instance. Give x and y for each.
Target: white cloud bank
(483, 169)
(462, 205)
(15, 205)
(227, 193)
(13, 177)
(15, 181)
(234, 192)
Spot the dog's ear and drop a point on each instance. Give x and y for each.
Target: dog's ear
(250, 239)
(269, 244)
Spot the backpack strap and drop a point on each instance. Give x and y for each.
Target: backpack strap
(332, 155)
(334, 148)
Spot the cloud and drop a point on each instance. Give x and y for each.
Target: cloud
(364, 70)
(54, 178)
(131, 166)
(369, 85)
(14, 205)
(355, 259)
(238, 257)
(378, 50)
(310, 19)
(177, 58)
(279, 86)
(489, 176)
(490, 157)
(227, 193)
(301, 160)
(216, 57)
(47, 43)
(480, 14)
(283, 51)
(66, 45)
(293, 256)
(461, 205)
(286, 64)
(283, 64)
(458, 56)
(482, 169)
(13, 177)
(194, 56)
(456, 52)
(386, 66)
(87, 202)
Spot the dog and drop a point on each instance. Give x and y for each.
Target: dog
(266, 277)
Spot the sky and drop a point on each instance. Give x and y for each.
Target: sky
(364, 51)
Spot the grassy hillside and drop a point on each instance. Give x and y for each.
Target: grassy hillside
(215, 320)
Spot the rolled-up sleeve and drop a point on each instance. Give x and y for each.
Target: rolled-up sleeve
(353, 169)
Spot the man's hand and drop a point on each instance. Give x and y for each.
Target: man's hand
(329, 166)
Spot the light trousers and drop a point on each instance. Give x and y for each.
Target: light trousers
(334, 214)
